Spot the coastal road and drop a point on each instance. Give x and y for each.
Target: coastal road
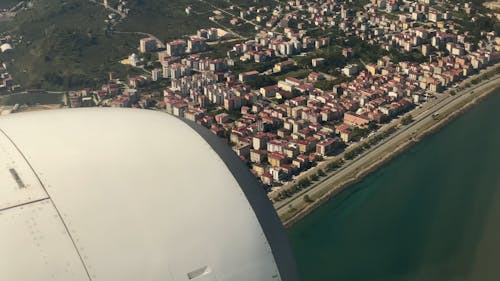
(402, 135)
(418, 112)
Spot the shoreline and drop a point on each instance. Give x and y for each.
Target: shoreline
(359, 175)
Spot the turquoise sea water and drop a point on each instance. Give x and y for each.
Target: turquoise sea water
(431, 214)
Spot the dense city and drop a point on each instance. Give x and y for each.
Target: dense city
(315, 78)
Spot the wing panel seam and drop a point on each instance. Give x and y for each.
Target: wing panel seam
(52, 201)
(25, 203)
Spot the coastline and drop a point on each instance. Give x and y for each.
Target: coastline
(296, 213)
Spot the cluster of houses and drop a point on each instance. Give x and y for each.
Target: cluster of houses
(416, 27)
(268, 44)
(280, 130)
(7, 83)
(115, 93)
(179, 47)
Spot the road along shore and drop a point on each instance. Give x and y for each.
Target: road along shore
(296, 208)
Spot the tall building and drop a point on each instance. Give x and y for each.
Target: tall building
(176, 48)
(147, 44)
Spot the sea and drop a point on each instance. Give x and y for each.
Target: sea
(431, 214)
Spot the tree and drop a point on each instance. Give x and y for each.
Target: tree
(373, 141)
(349, 155)
(314, 177)
(295, 93)
(261, 81)
(334, 165)
(324, 85)
(321, 173)
(366, 145)
(358, 133)
(406, 120)
(54, 78)
(305, 182)
(372, 125)
(308, 199)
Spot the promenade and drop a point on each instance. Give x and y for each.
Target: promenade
(295, 207)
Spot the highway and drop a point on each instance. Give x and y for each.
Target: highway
(421, 120)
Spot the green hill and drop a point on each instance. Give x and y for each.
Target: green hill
(66, 44)
(166, 19)
(6, 4)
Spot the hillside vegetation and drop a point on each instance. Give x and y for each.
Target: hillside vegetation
(6, 4)
(166, 19)
(64, 45)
